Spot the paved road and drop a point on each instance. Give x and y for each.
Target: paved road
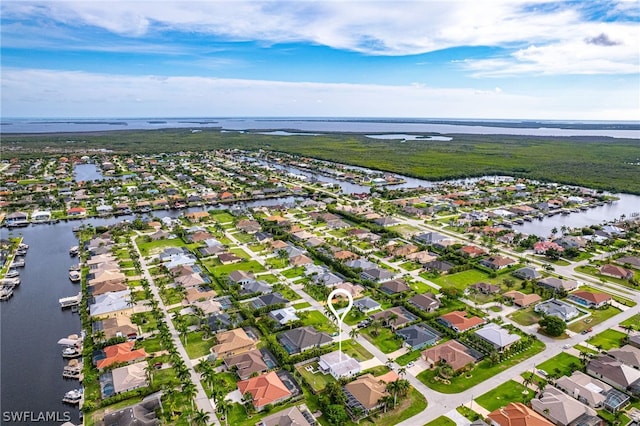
(201, 399)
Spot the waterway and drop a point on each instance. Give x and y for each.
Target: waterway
(615, 129)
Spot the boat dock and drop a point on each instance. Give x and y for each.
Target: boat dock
(67, 302)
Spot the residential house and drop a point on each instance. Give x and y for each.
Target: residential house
(364, 395)
(116, 327)
(247, 364)
(140, 414)
(285, 315)
(629, 355)
(559, 408)
(500, 338)
(422, 257)
(395, 317)
(111, 305)
(616, 271)
(557, 284)
(522, 300)
(394, 286)
(254, 286)
(613, 372)
(228, 258)
(292, 416)
(484, 288)
(418, 336)
(459, 322)
(266, 389)
(106, 287)
(517, 414)
(441, 266)
(339, 365)
(426, 302)
(233, 342)
(590, 299)
(240, 277)
(632, 261)
(269, 299)
(635, 340)
(557, 308)
(366, 305)
(453, 353)
(356, 290)
(199, 294)
(248, 226)
(430, 238)
(541, 247)
(376, 274)
(129, 377)
(497, 262)
(584, 388)
(472, 251)
(302, 339)
(527, 273)
(118, 354)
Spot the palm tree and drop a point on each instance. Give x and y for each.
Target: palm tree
(283, 256)
(527, 380)
(201, 418)
(402, 371)
(209, 376)
(148, 371)
(223, 407)
(354, 333)
(190, 391)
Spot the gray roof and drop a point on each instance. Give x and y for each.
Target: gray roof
(302, 338)
(366, 303)
(527, 273)
(497, 335)
(558, 309)
(417, 336)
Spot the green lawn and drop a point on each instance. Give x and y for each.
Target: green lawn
(222, 217)
(597, 316)
(405, 409)
(462, 280)
(386, 340)
(480, 373)
(408, 357)
(405, 230)
(420, 287)
(608, 339)
(155, 247)
(317, 380)
(507, 392)
(220, 270)
(145, 320)
(294, 272)
(468, 413)
(317, 320)
(356, 350)
(301, 305)
(590, 270)
(151, 345)
(171, 296)
(196, 347)
(441, 421)
(633, 322)
(560, 365)
(525, 316)
(243, 237)
(410, 266)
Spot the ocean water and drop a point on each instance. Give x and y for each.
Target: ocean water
(614, 129)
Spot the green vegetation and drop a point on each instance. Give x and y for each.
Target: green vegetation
(197, 347)
(633, 322)
(441, 421)
(597, 316)
(468, 413)
(507, 392)
(568, 160)
(315, 379)
(408, 357)
(481, 372)
(560, 365)
(525, 316)
(386, 340)
(317, 320)
(553, 326)
(608, 339)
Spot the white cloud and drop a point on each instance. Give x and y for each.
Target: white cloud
(48, 93)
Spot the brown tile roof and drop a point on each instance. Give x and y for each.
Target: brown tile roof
(592, 297)
(233, 341)
(459, 320)
(517, 414)
(368, 390)
(522, 299)
(452, 352)
(122, 352)
(265, 389)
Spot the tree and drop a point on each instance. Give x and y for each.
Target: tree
(190, 391)
(201, 418)
(552, 325)
(354, 333)
(335, 414)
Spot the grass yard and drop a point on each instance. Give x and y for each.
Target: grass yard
(150, 345)
(633, 322)
(405, 409)
(316, 380)
(196, 347)
(507, 392)
(301, 305)
(219, 270)
(387, 341)
(462, 280)
(608, 339)
(585, 349)
(591, 270)
(155, 247)
(408, 357)
(480, 373)
(420, 287)
(294, 272)
(562, 364)
(441, 421)
(222, 217)
(171, 296)
(468, 413)
(410, 266)
(525, 316)
(317, 320)
(405, 230)
(243, 237)
(597, 316)
(621, 300)
(356, 350)
(145, 320)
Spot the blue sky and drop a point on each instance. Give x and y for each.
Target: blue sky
(425, 59)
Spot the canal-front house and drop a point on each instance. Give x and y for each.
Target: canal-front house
(111, 305)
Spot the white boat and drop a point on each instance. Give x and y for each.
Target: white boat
(67, 302)
(5, 293)
(73, 251)
(74, 276)
(10, 282)
(18, 262)
(12, 273)
(23, 246)
(71, 352)
(75, 267)
(74, 396)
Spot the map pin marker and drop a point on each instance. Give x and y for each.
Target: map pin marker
(340, 318)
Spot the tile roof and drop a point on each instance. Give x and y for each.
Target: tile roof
(517, 414)
(265, 389)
